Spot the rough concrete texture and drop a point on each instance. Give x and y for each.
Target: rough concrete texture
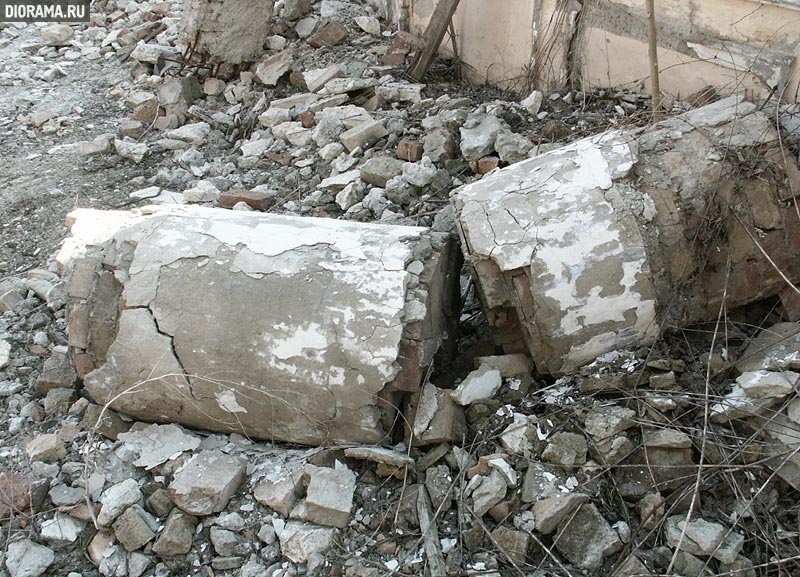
(591, 247)
(230, 31)
(277, 327)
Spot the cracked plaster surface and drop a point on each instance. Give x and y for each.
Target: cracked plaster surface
(278, 327)
(557, 219)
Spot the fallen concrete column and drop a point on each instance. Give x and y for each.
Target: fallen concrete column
(297, 329)
(226, 31)
(597, 245)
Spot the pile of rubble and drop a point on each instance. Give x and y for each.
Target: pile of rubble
(664, 460)
(633, 465)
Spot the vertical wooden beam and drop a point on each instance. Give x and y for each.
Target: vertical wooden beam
(432, 38)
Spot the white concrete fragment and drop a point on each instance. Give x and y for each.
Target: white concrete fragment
(768, 384)
(157, 444)
(482, 383)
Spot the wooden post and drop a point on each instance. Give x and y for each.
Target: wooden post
(432, 38)
(655, 85)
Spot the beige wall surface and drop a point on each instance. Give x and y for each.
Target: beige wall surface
(735, 45)
(494, 38)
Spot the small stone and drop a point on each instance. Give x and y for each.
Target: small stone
(47, 448)
(116, 499)
(586, 538)
(437, 418)
(296, 9)
(512, 147)
(104, 422)
(270, 71)
(195, 134)
(301, 541)
(420, 174)
(409, 150)
(481, 384)
(5, 353)
(213, 87)
(138, 563)
(667, 439)
(768, 384)
(58, 401)
(201, 191)
(257, 200)
(145, 193)
(25, 558)
(360, 134)
(378, 170)
(177, 536)
(329, 497)
(368, 24)
(64, 496)
(317, 78)
(129, 128)
(135, 528)
(549, 512)
(205, 484)
(61, 530)
(439, 145)
(305, 27)
(478, 141)
(663, 381)
(131, 150)
(513, 544)
(566, 450)
(227, 543)
(339, 181)
(100, 145)
(603, 422)
(329, 33)
(533, 102)
(279, 491)
(774, 349)
(632, 567)
(160, 503)
(490, 490)
(157, 444)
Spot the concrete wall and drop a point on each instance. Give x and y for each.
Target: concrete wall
(743, 46)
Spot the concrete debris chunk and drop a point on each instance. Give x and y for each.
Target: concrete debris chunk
(509, 365)
(229, 31)
(316, 79)
(195, 133)
(701, 537)
(368, 24)
(533, 102)
(26, 558)
(586, 538)
(380, 455)
(329, 33)
(205, 484)
(378, 170)
(604, 422)
(481, 384)
(116, 499)
(488, 491)
(361, 133)
(768, 384)
(57, 34)
(135, 528)
(61, 530)
(512, 543)
(177, 536)
(5, 353)
(523, 228)
(161, 342)
(550, 511)
(300, 542)
(271, 70)
(157, 444)
(565, 450)
(296, 9)
(46, 447)
(478, 141)
(437, 418)
(329, 497)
